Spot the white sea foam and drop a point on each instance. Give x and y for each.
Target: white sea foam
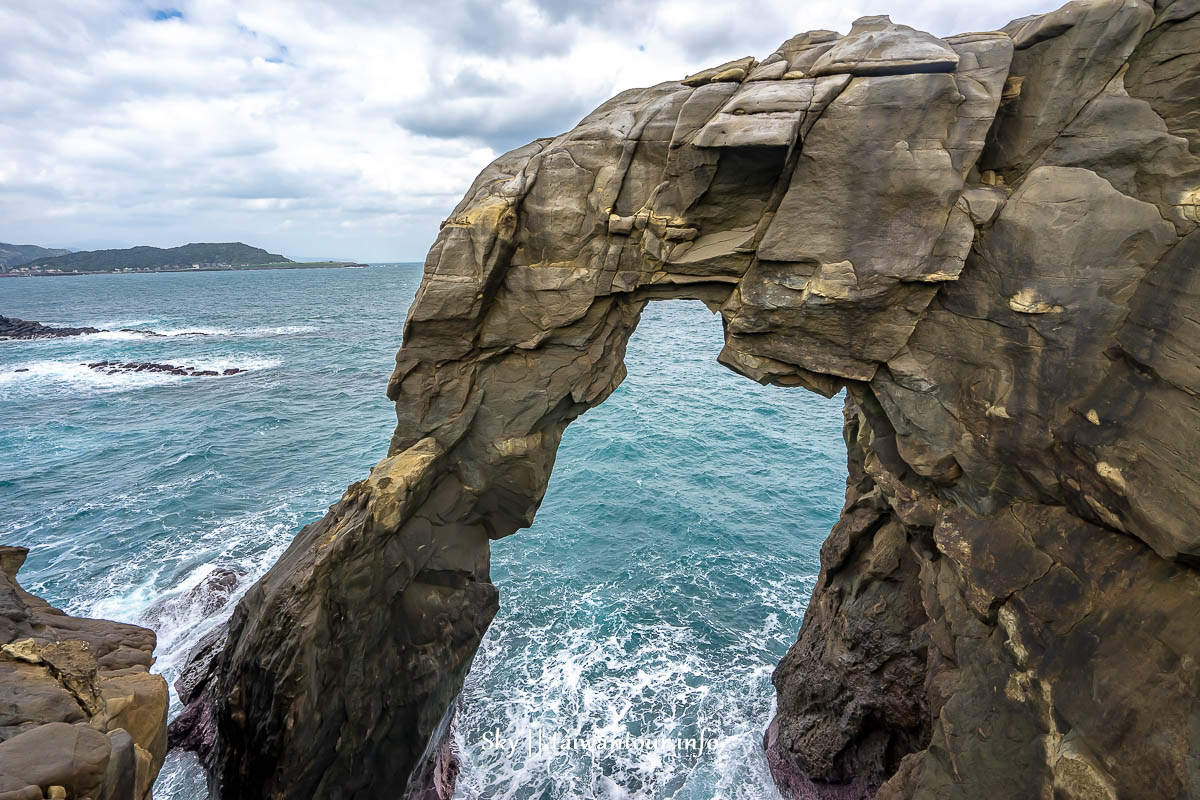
(565, 654)
(280, 330)
(236, 543)
(133, 331)
(122, 323)
(192, 330)
(116, 336)
(78, 375)
(597, 680)
(180, 626)
(202, 330)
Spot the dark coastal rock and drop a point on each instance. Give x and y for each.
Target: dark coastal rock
(118, 367)
(437, 771)
(989, 241)
(193, 729)
(80, 714)
(13, 328)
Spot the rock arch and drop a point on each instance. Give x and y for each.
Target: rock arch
(989, 240)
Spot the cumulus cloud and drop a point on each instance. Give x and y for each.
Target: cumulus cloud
(342, 129)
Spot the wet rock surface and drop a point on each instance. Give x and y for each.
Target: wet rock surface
(989, 241)
(80, 714)
(118, 367)
(13, 328)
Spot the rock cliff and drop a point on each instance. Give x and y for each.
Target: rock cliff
(80, 714)
(989, 241)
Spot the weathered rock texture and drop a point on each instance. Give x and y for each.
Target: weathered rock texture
(989, 241)
(80, 714)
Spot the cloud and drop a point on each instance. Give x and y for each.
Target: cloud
(346, 128)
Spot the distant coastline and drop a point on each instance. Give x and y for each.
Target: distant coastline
(33, 260)
(35, 273)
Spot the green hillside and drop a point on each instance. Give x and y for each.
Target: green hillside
(232, 254)
(12, 255)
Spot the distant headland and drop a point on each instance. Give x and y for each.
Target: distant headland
(29, 260)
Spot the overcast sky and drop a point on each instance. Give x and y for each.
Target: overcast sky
(344, 129)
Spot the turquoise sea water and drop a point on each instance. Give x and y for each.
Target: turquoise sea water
(665, 576)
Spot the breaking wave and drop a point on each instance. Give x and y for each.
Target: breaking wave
(59, 375)
(665, 576)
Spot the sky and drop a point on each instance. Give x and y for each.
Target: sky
(345, 129)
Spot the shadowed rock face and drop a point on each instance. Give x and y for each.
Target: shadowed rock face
(989, 241)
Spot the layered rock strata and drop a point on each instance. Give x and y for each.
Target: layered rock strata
(989, 241)
(80, 714)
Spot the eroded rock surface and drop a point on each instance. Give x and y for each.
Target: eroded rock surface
(80, 714)
(989, 241)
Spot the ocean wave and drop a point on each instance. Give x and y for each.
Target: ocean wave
(606, 688)
(76, 374)
(655, 609)
(116, 324)
(609, 661)
(248, 545)
(131, 332)
(135, 333)
(260, 331)
(115, 336)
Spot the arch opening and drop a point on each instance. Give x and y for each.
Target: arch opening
(665, 576)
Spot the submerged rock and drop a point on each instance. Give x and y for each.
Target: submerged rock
(80, 714)
(989, 241)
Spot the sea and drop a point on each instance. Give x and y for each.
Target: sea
(666, 574)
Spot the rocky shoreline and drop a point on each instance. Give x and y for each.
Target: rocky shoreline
(988, 242)
(80, 714)
(12, 328)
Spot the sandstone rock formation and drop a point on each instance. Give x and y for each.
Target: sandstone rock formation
(989, 241)
(80, 714)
